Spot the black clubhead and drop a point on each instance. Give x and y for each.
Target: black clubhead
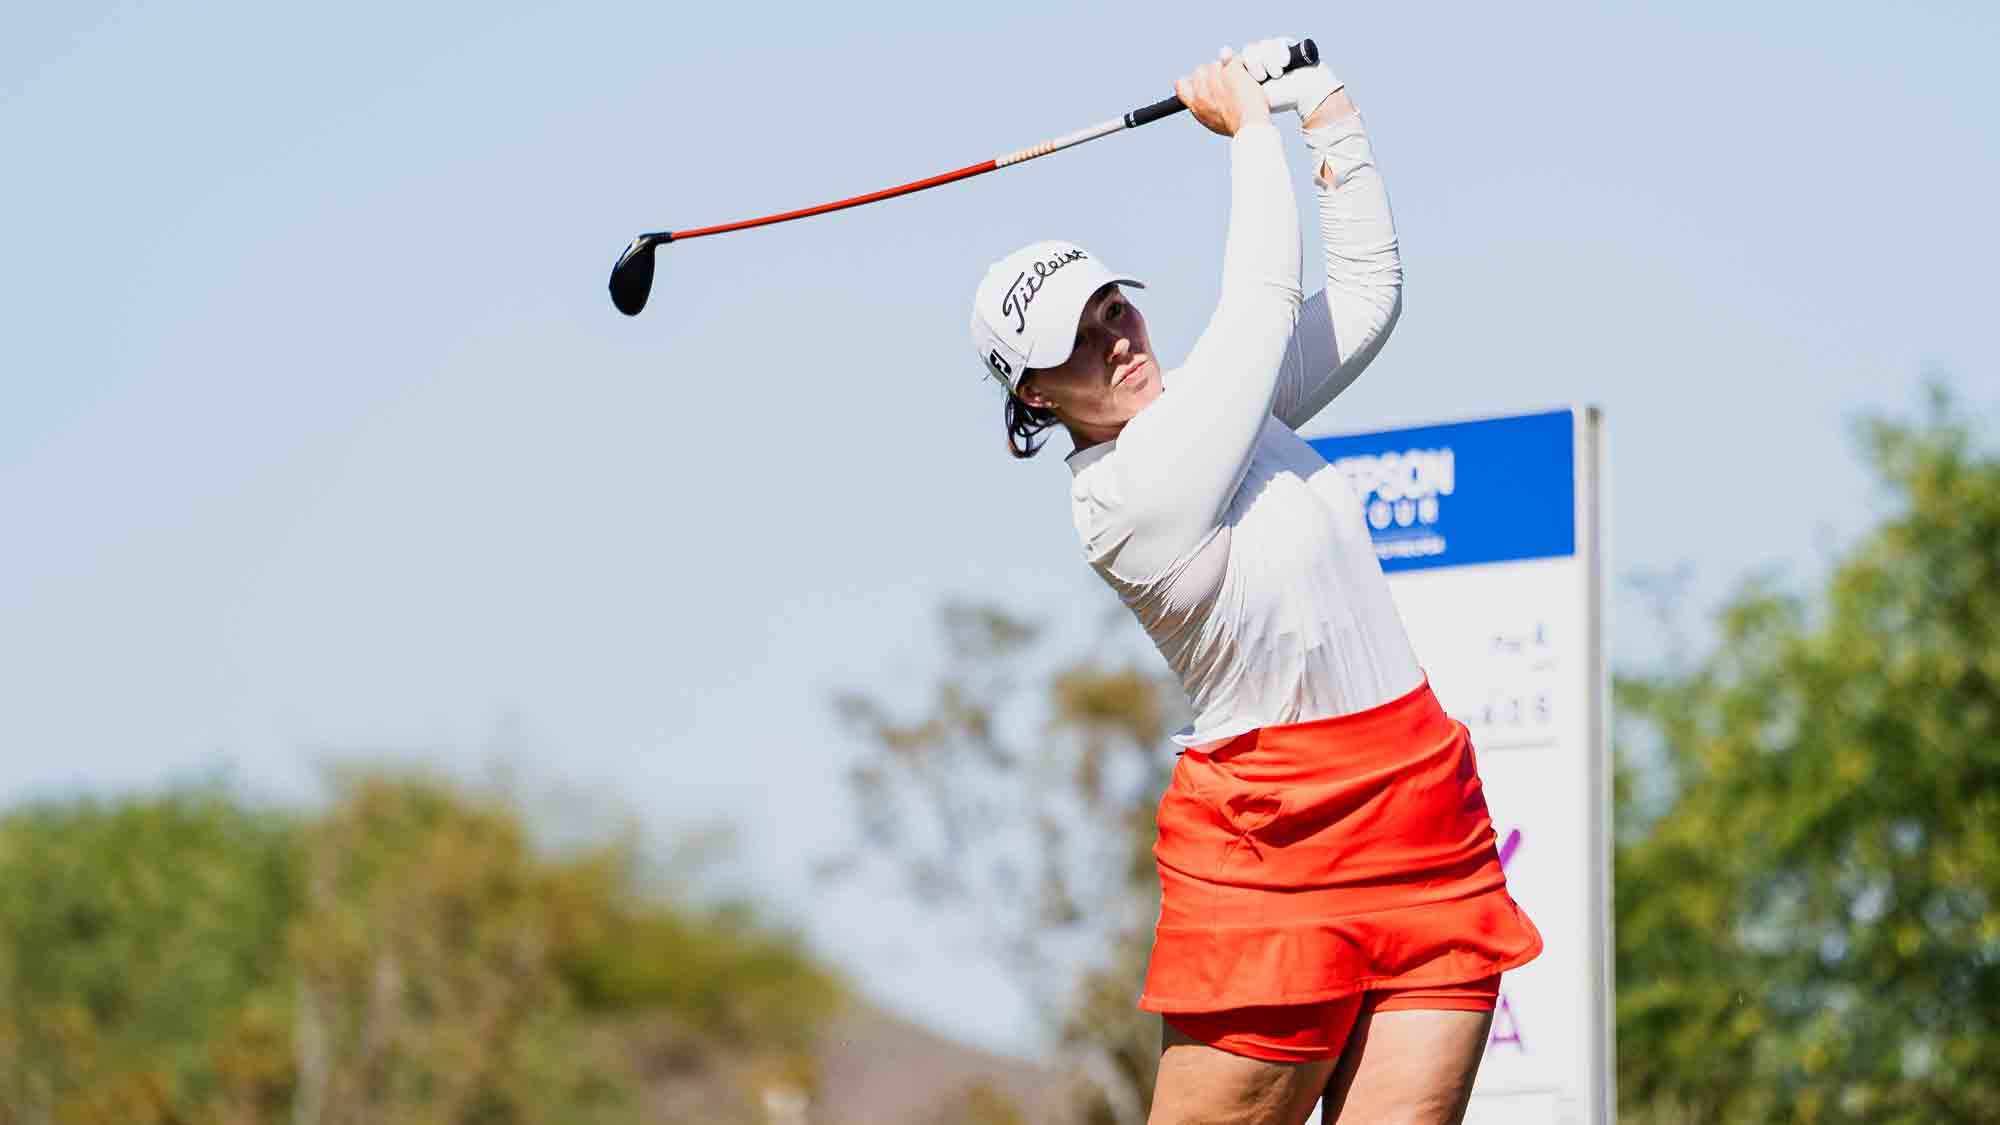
(632, 277)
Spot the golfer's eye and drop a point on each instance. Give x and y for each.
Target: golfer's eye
(1114, 311)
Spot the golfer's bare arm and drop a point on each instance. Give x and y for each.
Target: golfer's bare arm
(1341, 328)
(1180, 468)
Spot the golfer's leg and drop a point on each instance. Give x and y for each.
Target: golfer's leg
(1407, 1067)
(1204, 1085)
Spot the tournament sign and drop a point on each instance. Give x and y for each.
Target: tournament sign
(1491, 534)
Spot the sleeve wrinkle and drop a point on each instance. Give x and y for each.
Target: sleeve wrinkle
(1345, 325)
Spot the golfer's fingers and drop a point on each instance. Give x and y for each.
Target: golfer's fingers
(1194, 92)
(1210, 77)
(1233, 83)
(1253, 61)
(1198, 91)
(1266, 58)
(1191, 91)
(1204, 86)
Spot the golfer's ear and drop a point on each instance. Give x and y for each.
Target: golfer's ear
(1031, 395)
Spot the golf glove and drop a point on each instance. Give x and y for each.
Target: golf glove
(1300, 90)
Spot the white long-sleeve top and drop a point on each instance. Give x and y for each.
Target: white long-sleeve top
(1241, 551)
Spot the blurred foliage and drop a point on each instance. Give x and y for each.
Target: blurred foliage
(1024, 799)
(132, 937)
(405, 956)
(980, 1103)
(1810, 929)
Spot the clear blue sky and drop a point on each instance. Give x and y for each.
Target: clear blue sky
(318, 433)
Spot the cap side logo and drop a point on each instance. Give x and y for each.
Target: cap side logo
(1021, 294)
(1000, 365)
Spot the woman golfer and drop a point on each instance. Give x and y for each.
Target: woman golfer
(1333, 919)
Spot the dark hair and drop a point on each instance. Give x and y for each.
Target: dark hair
(1024, 427)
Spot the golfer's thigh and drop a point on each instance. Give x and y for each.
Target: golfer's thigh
(1408, 1067)
(1204, 1085)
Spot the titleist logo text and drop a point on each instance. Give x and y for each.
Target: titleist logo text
(1021, 294)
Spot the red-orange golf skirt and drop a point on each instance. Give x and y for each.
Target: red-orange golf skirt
(1311, 861)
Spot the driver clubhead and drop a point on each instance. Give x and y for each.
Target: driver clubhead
(632, 277)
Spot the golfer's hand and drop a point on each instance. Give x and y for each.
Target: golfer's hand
(1223, 96)
(1300, 90)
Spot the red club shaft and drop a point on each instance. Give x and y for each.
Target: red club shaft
(964, 173)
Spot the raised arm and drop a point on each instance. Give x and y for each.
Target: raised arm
(1342, 328)
(1181, 460)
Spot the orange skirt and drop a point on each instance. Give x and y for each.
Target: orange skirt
(1310, 861)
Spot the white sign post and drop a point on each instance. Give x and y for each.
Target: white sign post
(1491, 533)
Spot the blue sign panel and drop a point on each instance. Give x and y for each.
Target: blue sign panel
(1467, 492)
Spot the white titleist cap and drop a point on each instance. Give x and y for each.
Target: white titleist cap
(1026, 311)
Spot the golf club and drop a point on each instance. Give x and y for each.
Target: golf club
(632, 277)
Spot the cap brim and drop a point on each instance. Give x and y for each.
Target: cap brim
(1057, 338)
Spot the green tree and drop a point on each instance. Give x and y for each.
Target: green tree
(405, 956)
(428, 964)
(130, 932)
(1809, 930)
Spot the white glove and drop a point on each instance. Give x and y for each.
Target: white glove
(1301, 90)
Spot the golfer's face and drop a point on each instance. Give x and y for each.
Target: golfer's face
(1110, 375)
